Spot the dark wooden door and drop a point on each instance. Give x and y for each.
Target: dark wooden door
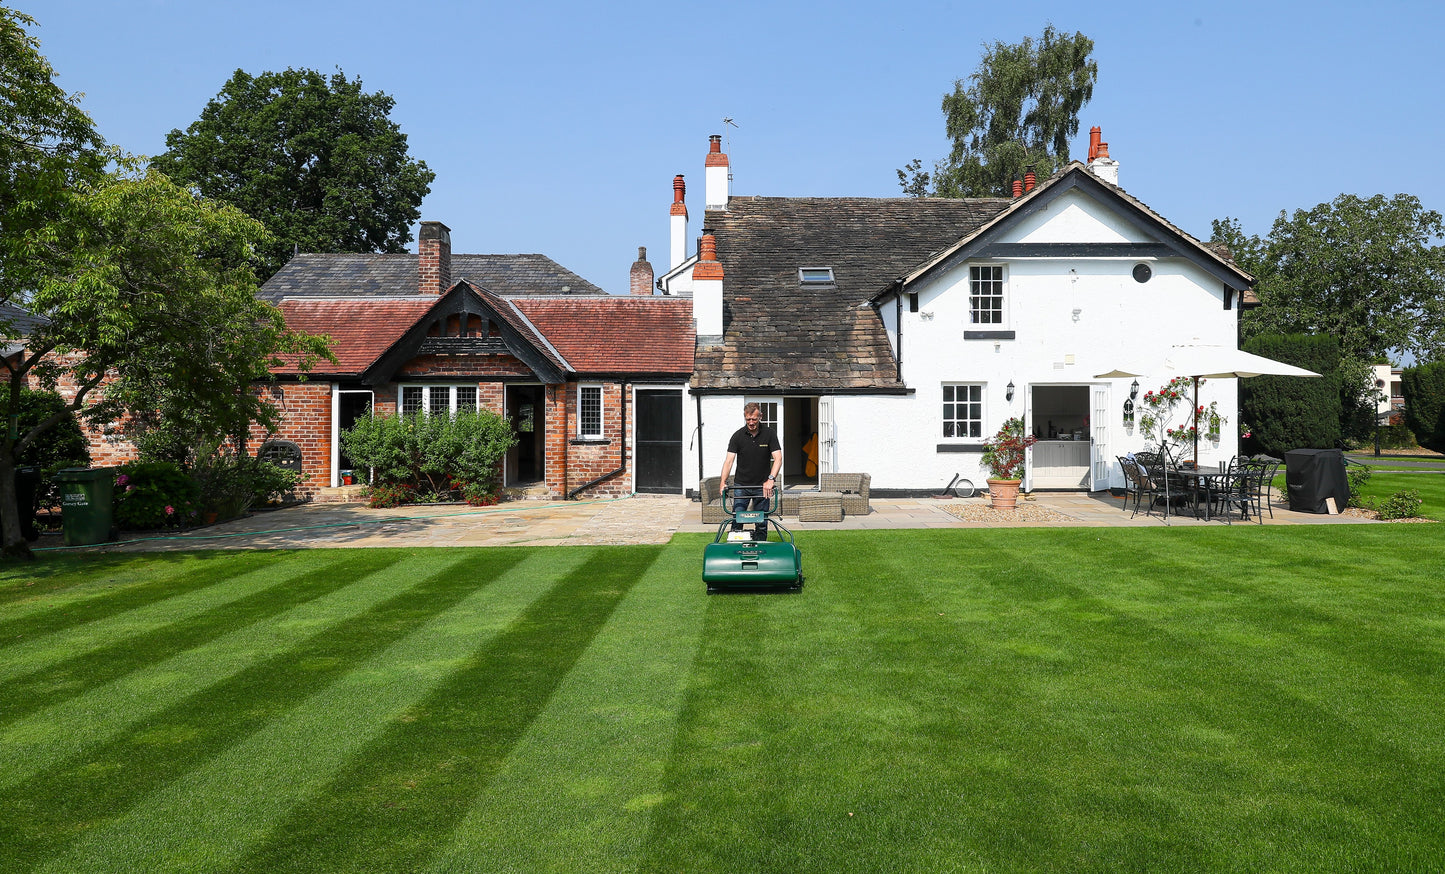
(658, 453)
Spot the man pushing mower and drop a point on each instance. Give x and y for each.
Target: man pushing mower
(758, 454)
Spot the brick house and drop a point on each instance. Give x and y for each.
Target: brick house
(592, 383)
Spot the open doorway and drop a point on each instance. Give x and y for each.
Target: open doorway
(526, 461)
(350, 406)
(1059, 418)
(799, 434)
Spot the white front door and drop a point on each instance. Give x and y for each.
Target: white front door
(827, 438)
(1099, 439)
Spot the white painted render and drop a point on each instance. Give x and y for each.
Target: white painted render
(678, 241)
(1072, 318)
(707, 307)
(715, 189)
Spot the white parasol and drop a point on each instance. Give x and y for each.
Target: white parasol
(1205, 361)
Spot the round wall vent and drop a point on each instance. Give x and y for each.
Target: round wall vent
(1142, 272)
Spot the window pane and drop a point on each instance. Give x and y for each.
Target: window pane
(440, 402)
(986, 295)
(466, 397)
(964, 417)
(411, 399)
(589, 414)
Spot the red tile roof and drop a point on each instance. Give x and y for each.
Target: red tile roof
(618, 334)
(360, 330)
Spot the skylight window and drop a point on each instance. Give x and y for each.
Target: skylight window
(815, 275)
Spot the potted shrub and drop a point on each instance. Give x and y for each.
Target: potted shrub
(1003, 455)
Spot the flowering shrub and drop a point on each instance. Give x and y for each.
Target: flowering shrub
(1159, 409)
(388, 495)
(431, 453)
(1003, 453)
(156, 494)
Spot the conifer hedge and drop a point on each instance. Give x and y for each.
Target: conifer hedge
(1424, 388)
(1293, 412)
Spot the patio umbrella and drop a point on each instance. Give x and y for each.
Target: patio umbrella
(1204, 361)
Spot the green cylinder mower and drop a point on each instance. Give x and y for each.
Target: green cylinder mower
(737, 565)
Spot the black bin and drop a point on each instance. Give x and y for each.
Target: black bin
(1312, 476)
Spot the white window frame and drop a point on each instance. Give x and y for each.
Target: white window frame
(981, 389)
(429, 391)
(973, 296)
(582, 432)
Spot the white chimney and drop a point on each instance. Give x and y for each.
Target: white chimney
(707, 290)
(717, 174)
(1105, 167)
(678, 222)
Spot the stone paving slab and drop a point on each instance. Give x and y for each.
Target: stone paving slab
(640, 519)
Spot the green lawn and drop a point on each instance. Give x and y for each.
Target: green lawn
(1192, 699)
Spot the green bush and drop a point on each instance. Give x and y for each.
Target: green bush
(1400, 505)
(1291, 412)
(1359, 477)
(229, 484)
(1424, 388)
(1397, 436)
(388, 495)
(431, 454)
(155, 494)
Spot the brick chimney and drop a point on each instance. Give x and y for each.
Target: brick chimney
(718, 176)
(707, 289)
(641, 277)
(434, 258)
(678, 223)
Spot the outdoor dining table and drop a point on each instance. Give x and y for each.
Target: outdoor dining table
(1204, 479)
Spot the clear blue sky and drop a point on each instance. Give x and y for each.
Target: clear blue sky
(557, 127)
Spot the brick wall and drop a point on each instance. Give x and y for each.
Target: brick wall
(108, 448)
(570, 463)
(305, 419)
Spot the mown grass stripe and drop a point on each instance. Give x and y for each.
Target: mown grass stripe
(209, 818)
(417, 781)
(578, 791)
(39, 597)
(1097, 659)
(353, 625)
(37, 653)
(52, 736)
(71, 677)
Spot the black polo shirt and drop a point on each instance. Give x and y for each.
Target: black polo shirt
(754, 454)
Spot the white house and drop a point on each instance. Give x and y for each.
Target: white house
(905, 331)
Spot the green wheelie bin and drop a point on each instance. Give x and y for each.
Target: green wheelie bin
(85, 504)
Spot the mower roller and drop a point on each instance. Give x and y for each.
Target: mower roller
(733, 565)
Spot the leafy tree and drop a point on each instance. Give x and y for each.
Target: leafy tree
(1015, 113)
(155, 307)
(314, 158)
(1364, 271)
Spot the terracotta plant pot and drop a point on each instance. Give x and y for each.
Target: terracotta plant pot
(1003, 494)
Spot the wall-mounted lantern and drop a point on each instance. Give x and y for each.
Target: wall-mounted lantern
(1008, 391)
(1134, 390)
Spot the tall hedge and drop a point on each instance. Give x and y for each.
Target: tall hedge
(1424, 388)
(1293, 412)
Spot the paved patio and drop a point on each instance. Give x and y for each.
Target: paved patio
(635, 520)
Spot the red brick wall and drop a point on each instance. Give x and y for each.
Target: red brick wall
(571, 463)
(107, 447)
(304, 419)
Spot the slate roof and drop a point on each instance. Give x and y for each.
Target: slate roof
(395, 275)
(779, 335)
(22, 322)
(616, 334)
